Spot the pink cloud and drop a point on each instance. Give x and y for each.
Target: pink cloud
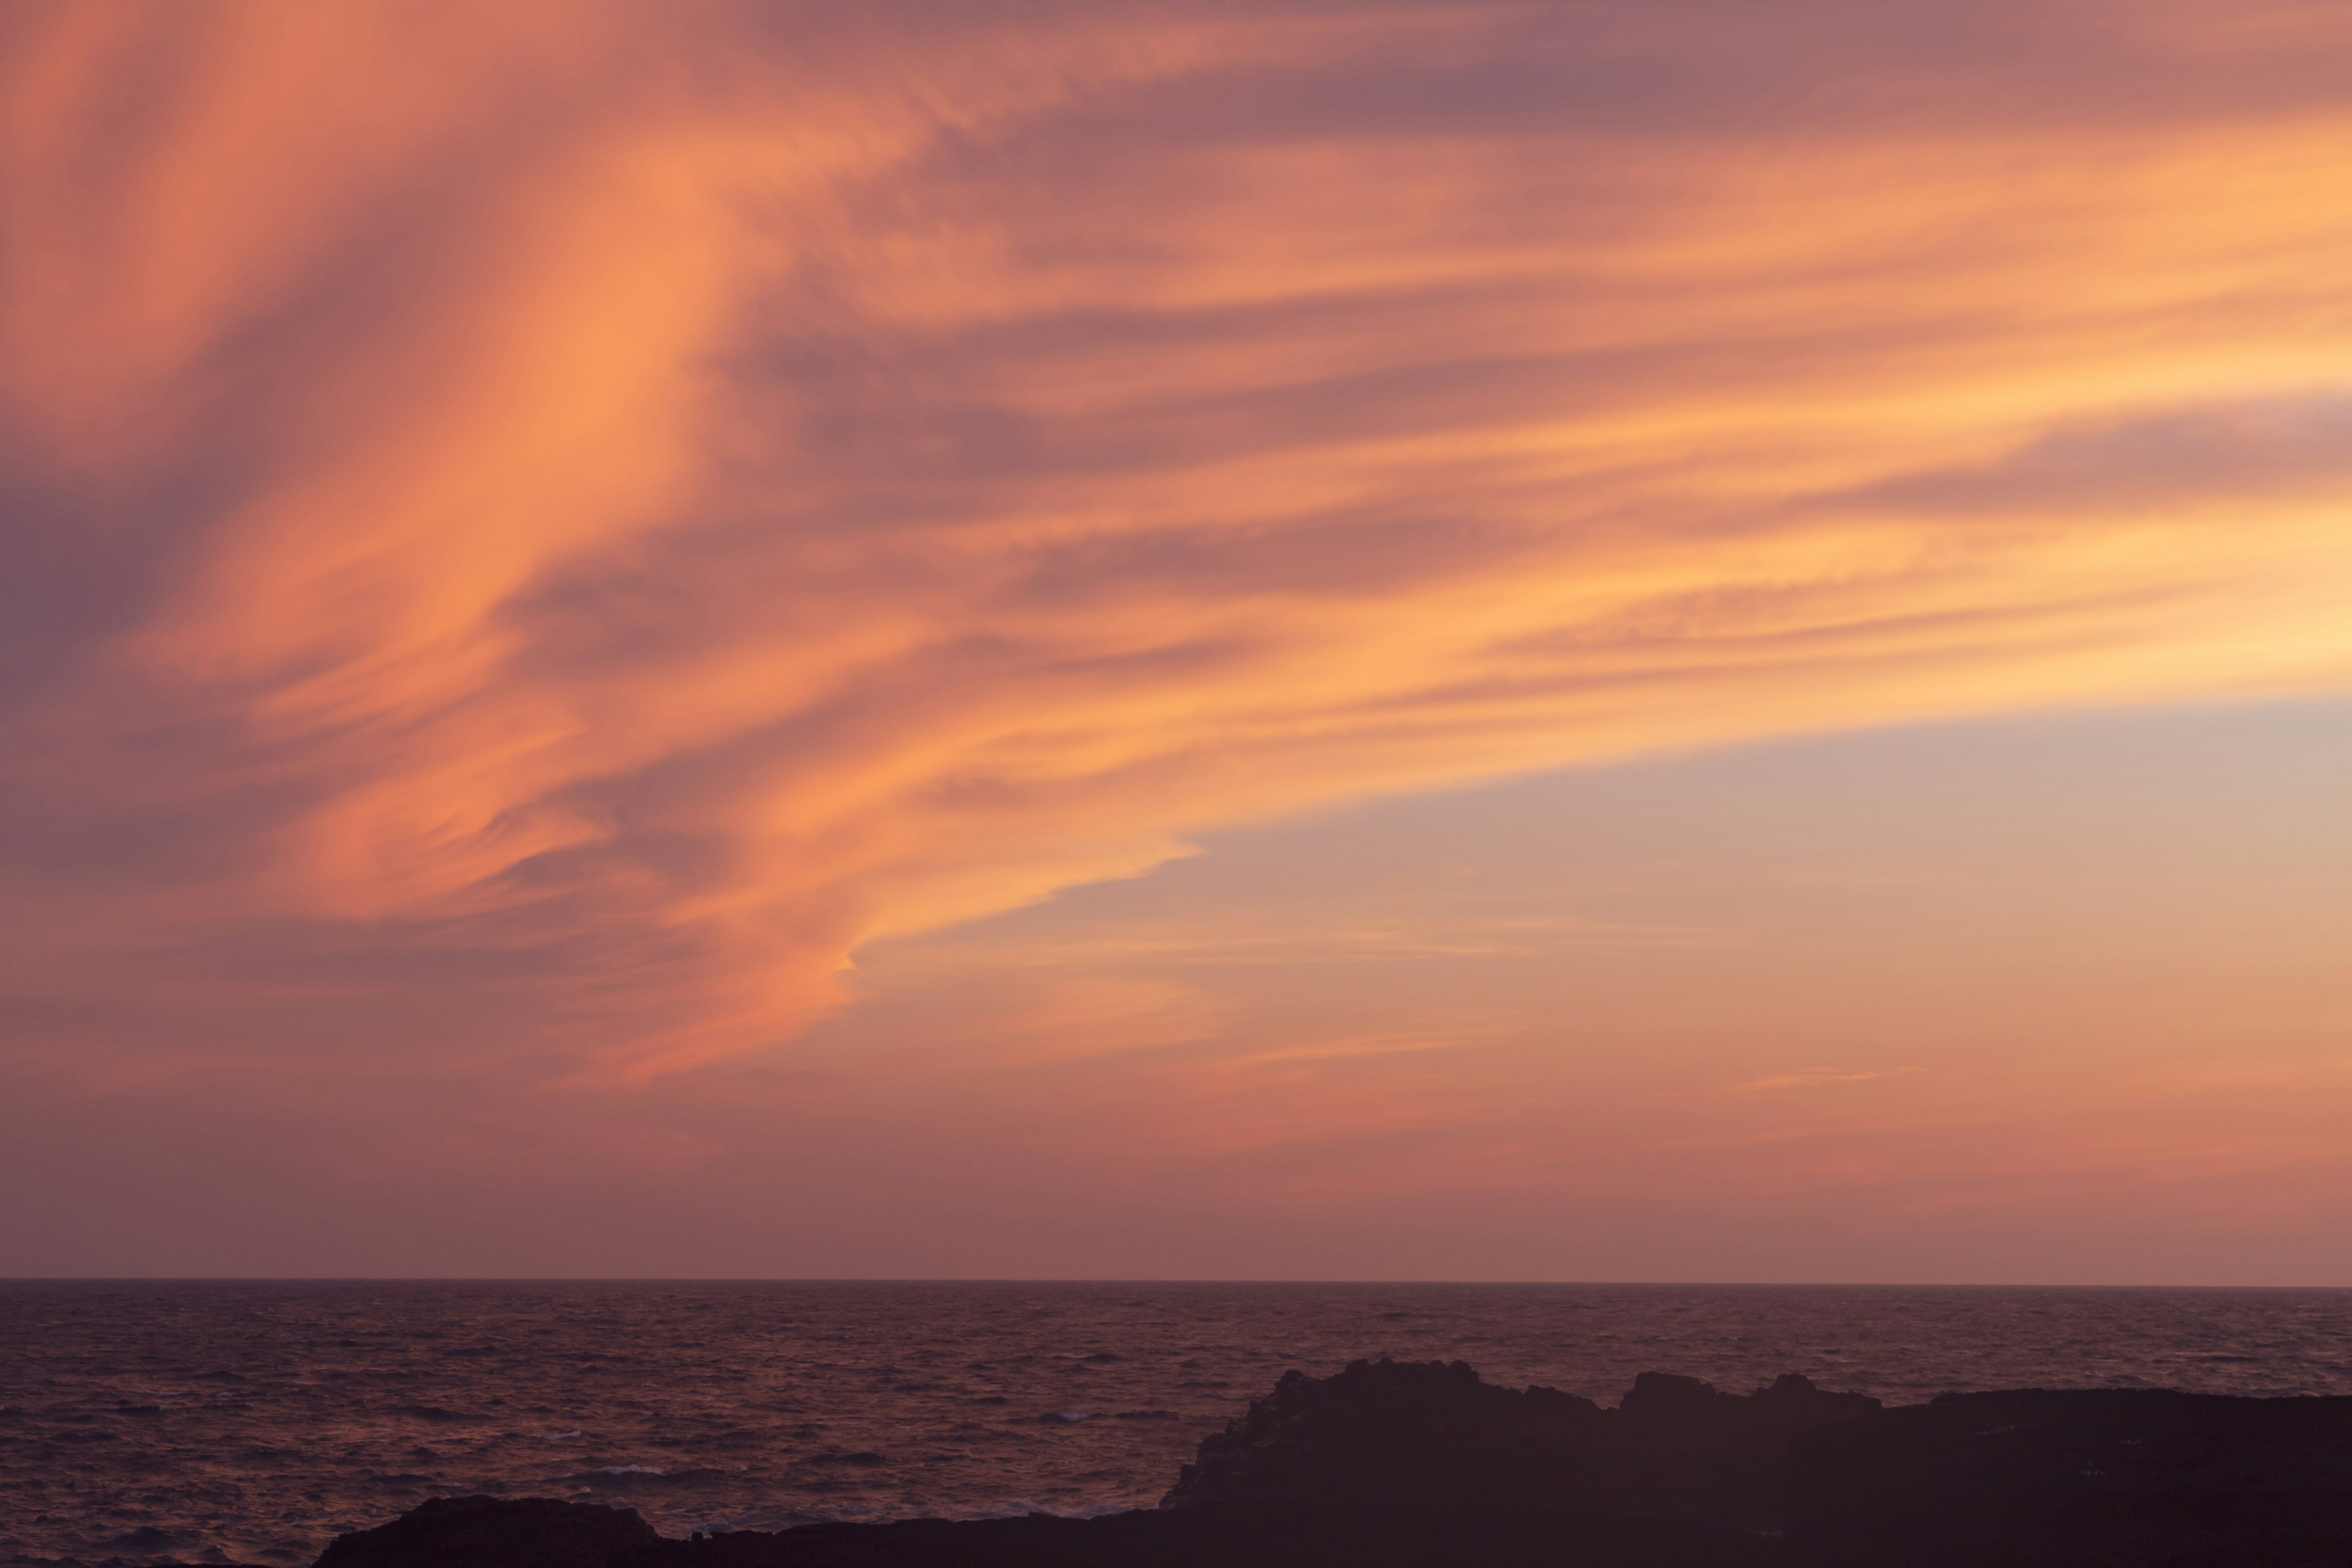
(543, 530)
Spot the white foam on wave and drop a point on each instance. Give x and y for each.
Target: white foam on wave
(556, 1437)
(624, 1470)
(1022, 1507)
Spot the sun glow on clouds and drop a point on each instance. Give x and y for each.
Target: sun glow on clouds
(537, 531)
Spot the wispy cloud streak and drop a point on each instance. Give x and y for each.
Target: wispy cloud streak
(534, 531)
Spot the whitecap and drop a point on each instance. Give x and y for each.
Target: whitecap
(1019, 1508)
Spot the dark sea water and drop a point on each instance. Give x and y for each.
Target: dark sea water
(253, 1422)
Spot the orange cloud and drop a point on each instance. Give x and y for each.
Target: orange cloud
(549, 528)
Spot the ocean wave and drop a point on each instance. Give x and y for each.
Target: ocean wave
(1020, 1508)
(797, 1382)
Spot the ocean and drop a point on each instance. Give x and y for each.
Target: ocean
(253, 1421)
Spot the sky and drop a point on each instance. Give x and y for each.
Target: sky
(1612, 639)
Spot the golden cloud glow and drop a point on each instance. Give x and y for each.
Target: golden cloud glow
(620, 505)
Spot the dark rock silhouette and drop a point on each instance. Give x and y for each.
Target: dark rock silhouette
(1224, 1536)
(1417, 1466)
(1395, 1434)
(2083, 1475)
(521, 1532)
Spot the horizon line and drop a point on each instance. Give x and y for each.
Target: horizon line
(1117, 1280)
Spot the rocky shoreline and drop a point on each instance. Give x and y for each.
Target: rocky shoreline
(1391, 1465)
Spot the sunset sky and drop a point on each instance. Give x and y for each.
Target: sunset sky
(1607, 639)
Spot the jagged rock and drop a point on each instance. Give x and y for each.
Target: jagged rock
(1400, 1434)
(1226, 1536)
(1391, 1433)
(497, 1533)
(2109, 1476)
(1424, 1465)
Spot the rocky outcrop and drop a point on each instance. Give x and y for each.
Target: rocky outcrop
(2116, 1476)
(1384, 1432)
(1225, 1536)
(1399, 1466)
(520, 1533)
(1435, 1434)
